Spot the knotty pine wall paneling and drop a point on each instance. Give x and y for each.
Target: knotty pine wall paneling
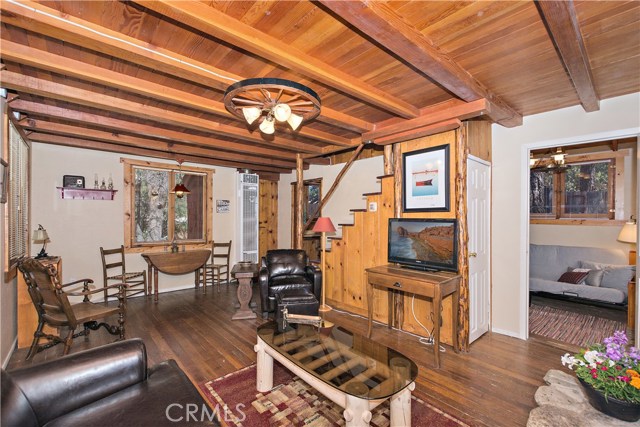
(268, 216)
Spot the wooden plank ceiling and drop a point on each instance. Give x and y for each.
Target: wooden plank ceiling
(148, 77)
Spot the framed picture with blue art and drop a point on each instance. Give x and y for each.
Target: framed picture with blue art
(425, 187)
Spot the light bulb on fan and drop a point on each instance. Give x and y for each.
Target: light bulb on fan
(282, 112)
(251, 114)
(268, 125)
(294, 121)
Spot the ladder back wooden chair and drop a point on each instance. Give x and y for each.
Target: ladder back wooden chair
(114, 270)
(219, 266)
(50, 299)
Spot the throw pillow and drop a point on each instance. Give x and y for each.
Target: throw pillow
(593, 279)
(575, 277)
(614, 276)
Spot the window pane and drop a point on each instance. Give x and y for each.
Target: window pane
(189, 210)
(151, 205)
(586, 189)
(541, 195)
(18, 196)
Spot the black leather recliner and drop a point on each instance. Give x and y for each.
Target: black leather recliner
(105, 386)
(283, 269)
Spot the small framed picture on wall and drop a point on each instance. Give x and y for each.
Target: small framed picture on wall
(426, 175)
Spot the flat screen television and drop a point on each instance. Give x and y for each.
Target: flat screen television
(424, 244)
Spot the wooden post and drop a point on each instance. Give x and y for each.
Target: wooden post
(463, 237)
(397, 181)
(388, 159)
(297, 239)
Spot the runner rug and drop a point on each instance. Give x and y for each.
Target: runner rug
(573, 328)
(294, 403)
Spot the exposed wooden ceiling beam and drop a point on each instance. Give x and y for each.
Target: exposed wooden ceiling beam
(420, 132)
(386, 28)
(68, 67)
(124, 126)
(136, 151)
(446, 112)
(218, 24)
(563, 27)
(134, 141)
(48, 89)
(51, 22)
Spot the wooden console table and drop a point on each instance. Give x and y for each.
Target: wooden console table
(435, 286)
(174, 263)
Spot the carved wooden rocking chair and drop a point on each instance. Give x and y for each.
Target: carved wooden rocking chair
(52, 305)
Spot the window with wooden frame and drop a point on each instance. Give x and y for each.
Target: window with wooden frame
(583, 189)
(156, 217)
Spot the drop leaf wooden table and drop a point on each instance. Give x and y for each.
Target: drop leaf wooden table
(174, 263)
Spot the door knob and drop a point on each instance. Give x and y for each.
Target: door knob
(473, 254)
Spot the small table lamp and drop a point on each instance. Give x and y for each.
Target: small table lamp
(40, 236)
(324, 225)
(629, 234)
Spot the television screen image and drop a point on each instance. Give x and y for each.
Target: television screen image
(429, 244)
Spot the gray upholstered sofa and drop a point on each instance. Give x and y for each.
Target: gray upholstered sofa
(607, 280)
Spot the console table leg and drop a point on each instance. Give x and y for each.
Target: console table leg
(264, 368)
(401, 407)
(357, 413)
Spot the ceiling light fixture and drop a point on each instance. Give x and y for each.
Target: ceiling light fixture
(180, 190)
(555, 162)
(270, 100)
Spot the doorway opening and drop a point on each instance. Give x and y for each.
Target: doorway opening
(580, 197)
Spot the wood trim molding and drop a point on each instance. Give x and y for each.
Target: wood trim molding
(128, 194)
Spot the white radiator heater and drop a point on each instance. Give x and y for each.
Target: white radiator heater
(248, 197)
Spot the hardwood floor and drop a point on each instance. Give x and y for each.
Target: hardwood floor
(491, 385)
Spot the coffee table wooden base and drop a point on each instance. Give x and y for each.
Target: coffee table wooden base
(357, 411)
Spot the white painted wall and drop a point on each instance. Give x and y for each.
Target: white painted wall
(617, 117)
(360, 178)
(77, 228)
(571, 235)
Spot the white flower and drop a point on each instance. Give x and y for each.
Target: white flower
(592, 357)
(568, 361)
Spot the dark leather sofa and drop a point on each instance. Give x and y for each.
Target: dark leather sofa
(106, 386)
(286, 269)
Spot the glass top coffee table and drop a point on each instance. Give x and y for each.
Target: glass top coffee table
(351, 370)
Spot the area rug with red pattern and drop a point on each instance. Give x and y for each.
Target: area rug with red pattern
(294, 403)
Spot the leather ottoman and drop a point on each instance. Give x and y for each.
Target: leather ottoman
(297, 301)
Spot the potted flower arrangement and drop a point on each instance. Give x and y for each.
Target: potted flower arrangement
(609, 373)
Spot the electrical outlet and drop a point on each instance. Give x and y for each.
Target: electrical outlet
(373, 206)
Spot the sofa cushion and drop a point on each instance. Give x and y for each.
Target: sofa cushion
(575, 277)
(614, 276)
(160, 400)
(550, 261)
(16, 409)
(594, 277)
(609, 295)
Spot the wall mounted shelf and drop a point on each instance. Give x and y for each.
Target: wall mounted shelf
(86, 193)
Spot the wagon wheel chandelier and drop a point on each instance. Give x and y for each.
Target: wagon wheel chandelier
(270, 100)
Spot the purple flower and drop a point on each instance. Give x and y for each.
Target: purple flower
(614, 353)
(634, 354)
(619, 338)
